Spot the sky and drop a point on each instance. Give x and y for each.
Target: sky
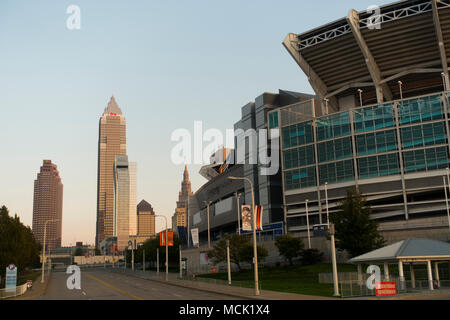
(168, 63)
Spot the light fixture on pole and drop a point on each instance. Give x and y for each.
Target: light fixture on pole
(401, 89)
(167, 248)
(307, 224)
(255, 251)
(360, 97)
(208, 203)
(43, 249)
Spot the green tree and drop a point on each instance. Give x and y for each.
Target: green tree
(354, 230)
(17, 244)
(78, 252)
(289, 247)
(247, 253)
(311, 256)
(218, 253)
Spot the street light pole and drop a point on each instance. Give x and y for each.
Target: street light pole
(255, 250)
(401, 89)
(43, 249)
(209, 235)
(333, 258)
(307, 224)
(446, 200)
(238, 196)
(360, 97)
(228, 262)
(167, 248)
(326, 203)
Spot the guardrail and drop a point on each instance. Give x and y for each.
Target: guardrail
(13, 292)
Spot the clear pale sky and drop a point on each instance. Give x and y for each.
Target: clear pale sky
(168, 63)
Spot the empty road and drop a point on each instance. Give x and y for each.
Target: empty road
(103, 285)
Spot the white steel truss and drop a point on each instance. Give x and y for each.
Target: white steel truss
(393, 15)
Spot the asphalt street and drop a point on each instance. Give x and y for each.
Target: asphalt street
(104, 285)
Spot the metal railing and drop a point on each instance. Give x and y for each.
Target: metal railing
(13, 292)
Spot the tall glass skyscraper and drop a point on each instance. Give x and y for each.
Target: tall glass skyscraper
(112, 142)
(48, 205)
(121, 217)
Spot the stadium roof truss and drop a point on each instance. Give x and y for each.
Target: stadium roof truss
(407, 41)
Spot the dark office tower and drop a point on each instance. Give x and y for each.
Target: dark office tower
(111, 142)
(47, 206)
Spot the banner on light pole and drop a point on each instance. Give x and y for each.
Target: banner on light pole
(246, 218)
(258, 215)
(194, 237)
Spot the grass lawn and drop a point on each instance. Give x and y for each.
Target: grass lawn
(295, 279)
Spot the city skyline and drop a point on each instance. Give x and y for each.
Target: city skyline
(71, 74)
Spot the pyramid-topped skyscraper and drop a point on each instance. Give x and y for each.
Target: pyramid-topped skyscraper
(112, 142)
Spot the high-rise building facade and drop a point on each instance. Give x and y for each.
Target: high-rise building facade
(121, 216)
(112, 142)
(132, 170)
(179, 219)
(48, 205)
(145, 219)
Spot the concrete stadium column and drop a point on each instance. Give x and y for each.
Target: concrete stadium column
(430, 275)
(401, 274)
(386, 271)
(436, 273)
(413, 276)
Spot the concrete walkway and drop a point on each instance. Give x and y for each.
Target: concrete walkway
(38, 289)
(217, 287)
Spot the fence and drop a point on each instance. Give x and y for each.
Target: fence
(13, 292)
(355, 288)
(234, 283)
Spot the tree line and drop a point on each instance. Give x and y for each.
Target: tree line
(17, 244)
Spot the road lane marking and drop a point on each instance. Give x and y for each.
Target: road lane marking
(106, 284)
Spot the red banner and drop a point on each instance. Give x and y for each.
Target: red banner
(385, 288)
(259, 211)
(162, 239)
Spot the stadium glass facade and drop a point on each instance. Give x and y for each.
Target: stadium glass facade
(363, 146)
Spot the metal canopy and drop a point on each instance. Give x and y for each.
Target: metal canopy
(408, 249)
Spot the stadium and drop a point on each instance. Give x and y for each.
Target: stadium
(379, 122)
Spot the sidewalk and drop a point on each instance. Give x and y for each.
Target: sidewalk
(238, 292)
(38, 289)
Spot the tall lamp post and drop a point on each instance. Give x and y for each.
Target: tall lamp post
(255, 250)
(238, 196)
(43, 249)
(307, 224)
(167, 248)
(333, 258)
(208, 203)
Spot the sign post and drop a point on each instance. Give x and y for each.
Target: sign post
(11, 278)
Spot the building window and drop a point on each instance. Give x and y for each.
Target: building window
(420, 110)
(423, 135)
(373, 118)
(332, 126)
(336, 172)
(273, 119)
(425, 159)
(376, 142)
(299, 157)
(297, 134)
(300, 178)
(379, 166)
(335, 150)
